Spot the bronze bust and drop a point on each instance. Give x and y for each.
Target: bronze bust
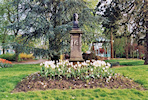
(75, 22)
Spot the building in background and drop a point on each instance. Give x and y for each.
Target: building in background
(9, 50)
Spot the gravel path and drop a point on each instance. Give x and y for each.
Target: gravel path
(31, 62)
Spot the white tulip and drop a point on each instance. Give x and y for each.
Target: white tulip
(103, 63)
(97, 63)
(87, 61)
(98, 76)
(59, 69)
(41, 64)
(108, 64)
(110, 77)
(106, 67)
(79, 65)
(52, 66)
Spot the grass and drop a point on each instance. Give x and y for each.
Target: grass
(137, 73)
(133, 67)
(9, 77)
(127, 62)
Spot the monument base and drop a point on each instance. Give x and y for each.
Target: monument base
(76, 60)
(76, 53)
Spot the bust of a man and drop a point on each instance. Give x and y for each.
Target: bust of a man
(75, 22)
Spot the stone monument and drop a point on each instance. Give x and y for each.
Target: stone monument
(75, 44)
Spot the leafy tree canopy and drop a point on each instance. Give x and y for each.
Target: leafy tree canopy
(51, 20)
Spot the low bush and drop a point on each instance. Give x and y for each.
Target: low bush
(8, 56)
(24, 56)
(5, 63)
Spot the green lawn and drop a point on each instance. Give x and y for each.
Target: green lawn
(137, 73)
(127, 62)
(9, 77)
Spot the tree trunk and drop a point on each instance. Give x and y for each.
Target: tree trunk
(16, 54)
(133, 50)
(111, 42)
(146, 36)
(115, 54)
(126, 49)
(3, 46)
(130, 47)
(3, 51)
(16, 33)
(146, 50)
(4, 41)
(139, 50)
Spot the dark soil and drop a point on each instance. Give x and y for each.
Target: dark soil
(38, 82)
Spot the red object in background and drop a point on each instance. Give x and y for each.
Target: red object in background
(101, 50)
(106, 52)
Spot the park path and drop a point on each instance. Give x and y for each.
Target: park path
(30, 62)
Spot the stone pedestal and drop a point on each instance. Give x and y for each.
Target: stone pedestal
(76, 53)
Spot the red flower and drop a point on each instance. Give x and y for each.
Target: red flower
(5, 61)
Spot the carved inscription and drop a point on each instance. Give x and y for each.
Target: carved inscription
(75, 41)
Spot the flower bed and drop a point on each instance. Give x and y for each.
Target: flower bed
(66, 75)
(24, 56)
(84, 71)
(5, 63)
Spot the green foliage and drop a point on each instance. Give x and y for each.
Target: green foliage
(26, 49)
(91, 3)
(111, 13)
(119, 46)
(5, 65)
(8, 56)
(92, 31)
(9, 77)
(129, 17)
(3, 23)
(85, 47)
(51, 21)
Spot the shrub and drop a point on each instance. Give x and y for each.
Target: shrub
(8, 56)
(84, 71)
(5, 63)
(24, 56)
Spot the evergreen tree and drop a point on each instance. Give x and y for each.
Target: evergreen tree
(50, 20)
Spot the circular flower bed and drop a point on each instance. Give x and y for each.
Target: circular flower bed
(66, 75)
